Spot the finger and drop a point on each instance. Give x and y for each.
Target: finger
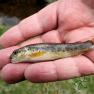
(81, 34)
(30, 41)
(49, 37)
(5, 55)
(43, 21)
(59, 70)
(13, 73)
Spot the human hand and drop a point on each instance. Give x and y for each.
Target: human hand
(63, 21)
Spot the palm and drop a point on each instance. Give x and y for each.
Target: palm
(73, 25)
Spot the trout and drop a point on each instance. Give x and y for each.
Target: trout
(49, 51)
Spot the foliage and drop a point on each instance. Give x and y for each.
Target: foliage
(77, 86)
(3, 29)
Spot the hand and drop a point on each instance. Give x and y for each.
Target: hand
(62, 21)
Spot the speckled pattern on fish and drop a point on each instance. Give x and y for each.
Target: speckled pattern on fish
(49, 51)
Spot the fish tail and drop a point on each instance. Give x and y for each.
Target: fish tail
(92, 47)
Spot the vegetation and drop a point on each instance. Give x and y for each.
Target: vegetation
(3, 29)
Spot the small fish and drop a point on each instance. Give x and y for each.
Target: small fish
(46, 51)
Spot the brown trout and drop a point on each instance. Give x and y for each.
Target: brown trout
(49, 51)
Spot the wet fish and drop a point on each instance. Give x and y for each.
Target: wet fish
(46, 51)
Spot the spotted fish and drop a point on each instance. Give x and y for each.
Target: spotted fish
(49, 51)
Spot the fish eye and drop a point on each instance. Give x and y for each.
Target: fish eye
(15, 52)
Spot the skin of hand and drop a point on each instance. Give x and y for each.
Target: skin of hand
(64, 21)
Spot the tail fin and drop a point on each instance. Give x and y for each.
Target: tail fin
(92, 47)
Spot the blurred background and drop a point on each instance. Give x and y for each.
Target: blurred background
(11, 12)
